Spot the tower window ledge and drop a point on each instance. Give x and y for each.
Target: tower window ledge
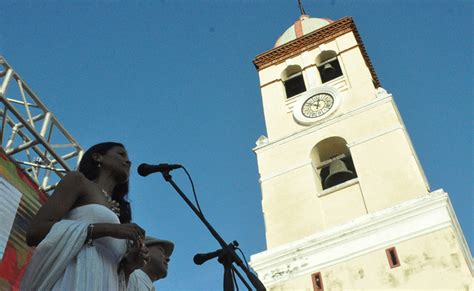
(290, 102)
(339, 83)
(338, 187)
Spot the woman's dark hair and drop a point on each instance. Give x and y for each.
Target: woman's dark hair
(89, 167)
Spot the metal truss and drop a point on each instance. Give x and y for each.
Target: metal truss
(31, 134)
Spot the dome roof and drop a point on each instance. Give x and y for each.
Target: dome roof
(302, 26)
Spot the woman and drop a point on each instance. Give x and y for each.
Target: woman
(83, 228)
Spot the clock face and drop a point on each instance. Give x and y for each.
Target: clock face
(317, 105)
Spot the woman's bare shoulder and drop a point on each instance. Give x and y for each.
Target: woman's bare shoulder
(74, 178)
(75, 175)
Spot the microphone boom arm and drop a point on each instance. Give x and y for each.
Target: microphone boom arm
(231, 255)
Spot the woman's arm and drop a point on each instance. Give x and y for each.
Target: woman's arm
(58, 204)
(69, 190)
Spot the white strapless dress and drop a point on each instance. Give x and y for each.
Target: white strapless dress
(110, 251)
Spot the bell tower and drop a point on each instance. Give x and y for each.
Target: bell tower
(341, 183)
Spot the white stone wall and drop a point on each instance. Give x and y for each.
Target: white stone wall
(351, 256)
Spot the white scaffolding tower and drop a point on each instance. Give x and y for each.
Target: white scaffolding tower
(31, 134)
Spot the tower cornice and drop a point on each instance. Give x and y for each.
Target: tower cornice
(312, 40)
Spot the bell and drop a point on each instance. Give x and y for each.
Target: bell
(329, 71)
(338, 173)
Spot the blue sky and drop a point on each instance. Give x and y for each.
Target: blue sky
(174, 81)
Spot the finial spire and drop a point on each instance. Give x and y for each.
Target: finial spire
(301, 8)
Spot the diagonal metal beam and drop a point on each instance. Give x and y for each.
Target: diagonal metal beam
(37, 140)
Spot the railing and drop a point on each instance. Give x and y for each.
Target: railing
(31, 134)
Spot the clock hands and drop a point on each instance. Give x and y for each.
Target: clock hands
(317, 104)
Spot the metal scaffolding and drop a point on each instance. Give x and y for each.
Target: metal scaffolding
(31, 134)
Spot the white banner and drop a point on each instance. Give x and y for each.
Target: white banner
(10, 200)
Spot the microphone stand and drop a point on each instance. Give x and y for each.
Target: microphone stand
(228, 255)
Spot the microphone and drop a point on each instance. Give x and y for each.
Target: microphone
(200, 259)
(146, 169)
